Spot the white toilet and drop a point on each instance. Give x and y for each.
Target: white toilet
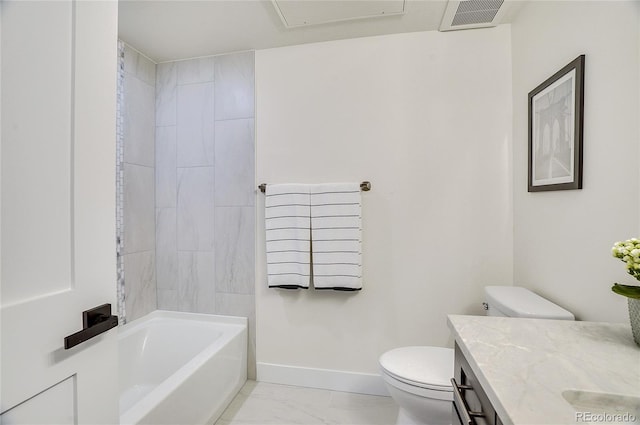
(418, 378)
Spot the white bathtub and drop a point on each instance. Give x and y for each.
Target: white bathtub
(180, 368)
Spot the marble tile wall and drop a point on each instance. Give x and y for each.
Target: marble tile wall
(205, 187)
(120, 185)
(138, 235)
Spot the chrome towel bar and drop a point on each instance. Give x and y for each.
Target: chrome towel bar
(364, 186)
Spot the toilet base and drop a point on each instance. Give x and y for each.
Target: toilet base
(417, 410)
(405, 419)
(423, 398)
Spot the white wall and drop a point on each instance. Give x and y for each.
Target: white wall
(426, 117)
(562, 239)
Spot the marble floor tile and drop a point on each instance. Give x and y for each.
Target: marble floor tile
(264, 403)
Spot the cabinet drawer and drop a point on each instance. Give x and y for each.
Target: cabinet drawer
(470, 396)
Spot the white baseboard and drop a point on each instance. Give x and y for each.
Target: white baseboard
(336, 380)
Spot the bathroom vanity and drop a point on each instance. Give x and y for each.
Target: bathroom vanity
(535, 371)
(470, 402)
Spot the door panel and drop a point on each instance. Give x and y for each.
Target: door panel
(38, 83)
(57, 222)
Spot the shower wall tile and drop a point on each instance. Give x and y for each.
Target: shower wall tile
(120, 185)
(139, 209)
(166, 167)
(195, 133)
(199, 70)
(244, 306)
(168, 299)
(235, 304)
(166, 87)
(196, 292)
(139, 65)
(138, 122)
(136, 182)
(195, 209)
(234, 163)
(140, 284)
(166, 249)
(234, 249)
(234, 82)
(205, 187)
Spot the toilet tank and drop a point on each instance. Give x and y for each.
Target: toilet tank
(514, 301)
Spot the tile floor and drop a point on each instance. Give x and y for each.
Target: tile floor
(260, 403)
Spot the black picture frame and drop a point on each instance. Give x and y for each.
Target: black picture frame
(556, 118)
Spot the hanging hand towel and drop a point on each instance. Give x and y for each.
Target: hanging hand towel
(287, 225)
(336, 236)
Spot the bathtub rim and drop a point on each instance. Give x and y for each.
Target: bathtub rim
(235, 327)
(125, 329)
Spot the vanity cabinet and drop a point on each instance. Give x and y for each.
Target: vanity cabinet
(470, 403)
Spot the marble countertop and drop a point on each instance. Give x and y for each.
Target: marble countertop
(524, 365)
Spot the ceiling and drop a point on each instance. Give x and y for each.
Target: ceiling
(166, 30)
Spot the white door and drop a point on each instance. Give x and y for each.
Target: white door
(57, 222)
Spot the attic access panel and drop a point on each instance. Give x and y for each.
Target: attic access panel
(299, 13)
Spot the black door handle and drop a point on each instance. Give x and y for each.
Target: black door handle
(94, 322)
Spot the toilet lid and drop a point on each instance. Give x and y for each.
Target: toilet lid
(430, 366)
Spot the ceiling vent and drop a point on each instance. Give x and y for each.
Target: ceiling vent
(467, 14)
(300, 13)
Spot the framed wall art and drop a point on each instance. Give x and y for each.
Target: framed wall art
(556, 112)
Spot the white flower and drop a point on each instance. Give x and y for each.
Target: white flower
(629, 252)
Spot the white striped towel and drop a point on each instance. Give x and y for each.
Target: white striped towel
(336, 236)
(288, 232)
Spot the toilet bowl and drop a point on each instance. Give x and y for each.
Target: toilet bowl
(418, 378)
